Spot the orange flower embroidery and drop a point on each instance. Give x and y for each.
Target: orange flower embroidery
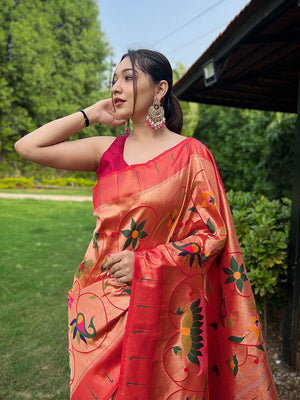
(209, 201)
(233, 364)
(255, 326)
(134, 234)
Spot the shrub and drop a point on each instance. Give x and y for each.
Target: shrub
(263, 228)
(82, 182)
(11, 183)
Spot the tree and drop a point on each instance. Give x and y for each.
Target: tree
(6, 90)
(53, 62)
(190, 110)
(254, 149)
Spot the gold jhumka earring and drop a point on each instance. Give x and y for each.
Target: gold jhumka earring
(156, 115)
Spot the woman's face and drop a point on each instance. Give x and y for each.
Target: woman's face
(123, 92)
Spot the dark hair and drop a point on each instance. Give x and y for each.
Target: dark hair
(158, 67)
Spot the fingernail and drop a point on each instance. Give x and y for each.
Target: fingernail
(108, 273)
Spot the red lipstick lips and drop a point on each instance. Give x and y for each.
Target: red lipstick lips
(118, 102)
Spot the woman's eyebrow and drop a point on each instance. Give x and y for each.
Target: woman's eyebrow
(126, 69)
(123, 72)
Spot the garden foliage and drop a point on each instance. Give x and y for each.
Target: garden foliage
(262, 227)
(254, 150)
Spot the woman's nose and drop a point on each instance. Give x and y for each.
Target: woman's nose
(116, 88)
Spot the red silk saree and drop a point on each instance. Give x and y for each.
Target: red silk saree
(187, 327)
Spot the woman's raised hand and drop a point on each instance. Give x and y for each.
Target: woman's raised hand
(103, 112)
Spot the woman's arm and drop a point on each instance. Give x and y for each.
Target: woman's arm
(48, 144)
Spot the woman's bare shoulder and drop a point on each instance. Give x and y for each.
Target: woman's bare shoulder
(101, 143)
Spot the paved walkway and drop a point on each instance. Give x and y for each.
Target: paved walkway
(45, 197)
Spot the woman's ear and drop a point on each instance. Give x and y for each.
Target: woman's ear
(162, 89)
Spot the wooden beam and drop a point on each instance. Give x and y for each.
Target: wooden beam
(292, 317)
(261, 15)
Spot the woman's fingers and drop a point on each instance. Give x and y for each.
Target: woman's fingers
(113, 259)
(121, 266)
(116, 272)
(108, 114)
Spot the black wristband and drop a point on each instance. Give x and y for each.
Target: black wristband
(87, 122)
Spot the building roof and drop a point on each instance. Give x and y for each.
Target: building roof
(257, 60)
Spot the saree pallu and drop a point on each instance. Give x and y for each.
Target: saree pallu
(187, 327)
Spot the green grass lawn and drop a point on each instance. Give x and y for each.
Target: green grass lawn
(41, 245)
(80, 191)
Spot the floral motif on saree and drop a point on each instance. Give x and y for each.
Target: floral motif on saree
(187, 326)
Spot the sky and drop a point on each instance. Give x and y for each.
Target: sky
(181, 29)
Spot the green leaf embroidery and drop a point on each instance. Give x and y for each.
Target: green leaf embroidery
(196, 304)
(127, 233)
(227, 271)
(128, 291)
(141, 225)
(127, 243)
(195, 184)
(193, 359)
(134, 243)
(210, 226)
(239, 285)
(230, 279)
(236, 368)
(177, 350)
(203, 257)
(234, 265)
(179, 311)
(236, 339)
(142, 235)
(133, 224)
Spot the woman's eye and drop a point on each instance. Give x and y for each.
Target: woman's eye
(126, 78)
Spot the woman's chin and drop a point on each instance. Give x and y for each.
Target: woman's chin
(123, 114)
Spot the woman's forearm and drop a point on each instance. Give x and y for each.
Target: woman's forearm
(54, 132)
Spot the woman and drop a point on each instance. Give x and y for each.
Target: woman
(161, 306)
